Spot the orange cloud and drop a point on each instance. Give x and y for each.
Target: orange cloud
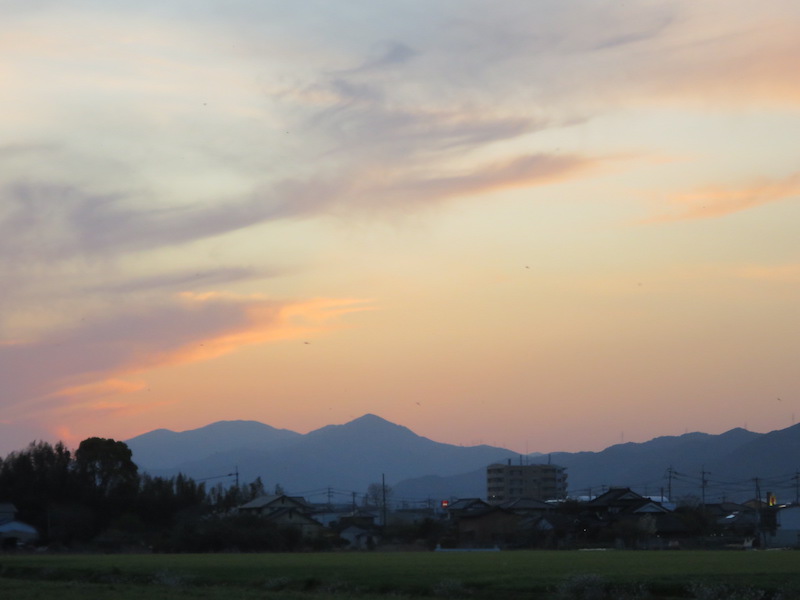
(718, 201)
(94, 397)
(104, 388)
(777, 273)
(116, 407)
(65, 434)
(739, 61)
(90, 366)
(522, 171)
(265, 323)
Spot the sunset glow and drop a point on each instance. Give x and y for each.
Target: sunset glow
(541, 225)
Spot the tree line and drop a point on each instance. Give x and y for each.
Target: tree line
(96, 497)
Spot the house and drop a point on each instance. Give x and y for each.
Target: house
(359, 538)
(733, 518)
(787, 529)
(285, 511)
(628, 518)
(624, 501)
(264, 505)
(412, 516)
(493, 526)
(551, 530)
(465, 506)
(12, 531)
(293, 517)
(337, 516)
(527, 506)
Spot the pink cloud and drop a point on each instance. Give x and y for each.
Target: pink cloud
(788, 273)
(757, 62)
(90, 367)
(522, 171)
(718, 201)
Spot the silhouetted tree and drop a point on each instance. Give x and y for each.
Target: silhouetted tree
(74, 497)
(255, 490)
(376, 493)
(37, 480)
(106, 467)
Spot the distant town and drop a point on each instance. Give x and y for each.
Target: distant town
(96, 498)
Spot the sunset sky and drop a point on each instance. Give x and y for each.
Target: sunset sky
(544, 225)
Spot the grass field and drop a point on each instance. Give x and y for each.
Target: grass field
(706, 575)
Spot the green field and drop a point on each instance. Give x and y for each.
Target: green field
(522, 574)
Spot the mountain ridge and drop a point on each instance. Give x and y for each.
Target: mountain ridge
(350, 456)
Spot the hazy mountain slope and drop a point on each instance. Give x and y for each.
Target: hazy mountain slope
(163, 449)
(371, 445)
(438, 488)
(348, 457)
(646, 464)
(729, 460)
(770, 455)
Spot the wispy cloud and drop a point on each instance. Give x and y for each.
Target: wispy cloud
(54, 222)
(719, 201)
(186, 280)
(154, 151)
(385, 55)
(364, 120)
(523, 171)
(95, 359)
(784, 273)
(102, 389)
(747, 61)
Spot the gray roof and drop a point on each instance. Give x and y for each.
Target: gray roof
(263, 501)
(526, 504)
(19, 530)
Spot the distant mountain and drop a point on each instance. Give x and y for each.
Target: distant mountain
(729, 463)
(345, 457)
(163, 449)
(341, 459)
(436, 487)
(646, 464)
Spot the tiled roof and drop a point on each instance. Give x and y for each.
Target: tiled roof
(263, 501)
(525, 504)
(466, 503)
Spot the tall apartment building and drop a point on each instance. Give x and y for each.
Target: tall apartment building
(531, 482)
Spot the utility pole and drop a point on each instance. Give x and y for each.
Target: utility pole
(703, 482)
(236, 474)
(758, 512)
(670, 474)
(383, 489)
